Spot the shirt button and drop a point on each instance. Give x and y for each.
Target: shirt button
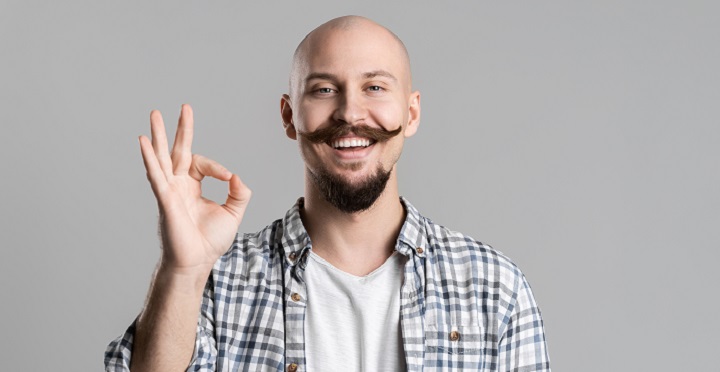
(295, 297)
(293, 256)
(420, 250)
(454, 336)
(292, 367)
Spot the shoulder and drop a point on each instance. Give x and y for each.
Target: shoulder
(460, 256)
(483, 285)
(460, 249)
(465, 257)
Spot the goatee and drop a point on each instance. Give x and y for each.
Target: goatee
(348, 197)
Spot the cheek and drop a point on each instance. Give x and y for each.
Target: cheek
(307, 152)
(312, 152)
(389, 114)
(312, 114)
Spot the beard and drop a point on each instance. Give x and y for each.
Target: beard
(348, 197)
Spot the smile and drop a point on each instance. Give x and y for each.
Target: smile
(350, 142)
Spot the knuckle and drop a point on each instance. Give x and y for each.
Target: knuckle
(199, 160)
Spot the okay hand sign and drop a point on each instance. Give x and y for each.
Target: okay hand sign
(195, 231)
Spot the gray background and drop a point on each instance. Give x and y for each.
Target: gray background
(581, 139)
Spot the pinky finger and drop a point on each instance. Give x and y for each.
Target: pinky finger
(152, 166)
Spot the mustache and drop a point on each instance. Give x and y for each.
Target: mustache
(325, 135)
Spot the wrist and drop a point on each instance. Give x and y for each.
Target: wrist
(190, 280)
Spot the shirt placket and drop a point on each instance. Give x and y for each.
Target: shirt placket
(412, 310)
(295, 310)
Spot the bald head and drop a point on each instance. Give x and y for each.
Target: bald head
(352, 28)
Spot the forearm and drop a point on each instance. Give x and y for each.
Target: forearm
(166, 329)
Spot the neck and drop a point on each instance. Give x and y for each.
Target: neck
(357, 243)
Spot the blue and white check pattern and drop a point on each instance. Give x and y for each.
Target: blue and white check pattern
(464, 306)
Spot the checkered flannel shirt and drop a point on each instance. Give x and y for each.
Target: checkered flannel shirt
(464, 305)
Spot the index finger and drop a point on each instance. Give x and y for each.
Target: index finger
(182, 147)
(159, 141)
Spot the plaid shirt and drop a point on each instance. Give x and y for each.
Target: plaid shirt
(464, 306)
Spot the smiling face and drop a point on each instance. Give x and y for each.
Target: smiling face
(350, 104)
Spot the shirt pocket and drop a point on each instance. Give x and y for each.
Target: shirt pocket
(448, 347)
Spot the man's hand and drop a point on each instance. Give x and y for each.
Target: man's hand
(195, 231)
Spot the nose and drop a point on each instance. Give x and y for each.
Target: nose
(351, 108)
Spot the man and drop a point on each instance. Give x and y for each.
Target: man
(353, 278)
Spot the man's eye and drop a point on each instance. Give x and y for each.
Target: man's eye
(325, 90)
(375, 88)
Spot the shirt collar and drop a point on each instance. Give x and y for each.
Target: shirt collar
(413, 237)
(296, 241)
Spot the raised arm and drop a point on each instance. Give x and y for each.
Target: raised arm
(194, 231)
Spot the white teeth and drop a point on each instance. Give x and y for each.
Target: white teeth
(351, 143)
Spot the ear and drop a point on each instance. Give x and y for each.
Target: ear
(413, 114)
(287, 117)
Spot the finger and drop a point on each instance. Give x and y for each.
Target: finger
(157, 179)
(202, 166)
(182, 152)
(159, 141)
(238, 197)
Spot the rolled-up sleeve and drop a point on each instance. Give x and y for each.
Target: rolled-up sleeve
(119, 352)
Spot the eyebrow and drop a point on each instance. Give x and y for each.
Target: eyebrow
(320, 76)
(367, 75)
(376, 73)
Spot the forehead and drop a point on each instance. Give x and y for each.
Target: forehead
(353, 52)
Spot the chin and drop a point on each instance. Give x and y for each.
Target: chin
(350, 194)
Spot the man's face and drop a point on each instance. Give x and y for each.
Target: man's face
(351, 77)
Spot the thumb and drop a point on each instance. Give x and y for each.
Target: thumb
(238, 197)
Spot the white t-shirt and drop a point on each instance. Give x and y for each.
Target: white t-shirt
(353, 323)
